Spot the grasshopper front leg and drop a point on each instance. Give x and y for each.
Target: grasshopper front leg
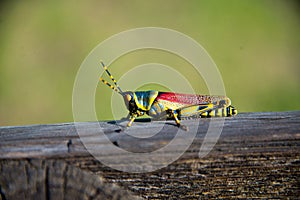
(132, 118)
(134, 115)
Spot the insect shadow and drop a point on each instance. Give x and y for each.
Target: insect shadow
(137, 145)
(125, 119)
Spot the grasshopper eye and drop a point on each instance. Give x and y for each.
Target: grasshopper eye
(128, 97)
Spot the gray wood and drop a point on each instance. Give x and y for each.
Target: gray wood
(53, 179)
(257, 155)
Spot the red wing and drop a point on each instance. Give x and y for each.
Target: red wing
(189, 99)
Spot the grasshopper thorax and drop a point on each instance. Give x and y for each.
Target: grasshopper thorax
(139, 102)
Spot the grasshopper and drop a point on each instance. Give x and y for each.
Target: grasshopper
(170, 105)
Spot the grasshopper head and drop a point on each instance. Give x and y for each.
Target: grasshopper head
(129, 100)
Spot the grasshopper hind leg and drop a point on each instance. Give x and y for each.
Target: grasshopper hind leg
(175, 116)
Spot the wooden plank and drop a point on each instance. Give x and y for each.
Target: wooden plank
(53, 179)
(257, 155)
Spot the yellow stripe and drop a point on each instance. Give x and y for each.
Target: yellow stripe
(230, 111)
(219, 112)
(204, 114)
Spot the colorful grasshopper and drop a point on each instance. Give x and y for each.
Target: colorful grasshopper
(162, 105)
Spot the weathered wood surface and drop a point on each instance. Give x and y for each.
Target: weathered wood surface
(257, 155)
(54, 179)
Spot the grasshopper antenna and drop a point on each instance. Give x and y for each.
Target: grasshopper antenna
(109, 85)
(116, 88)
(112, 78)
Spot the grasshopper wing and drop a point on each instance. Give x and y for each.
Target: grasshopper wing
(192, 99)
(187, 99)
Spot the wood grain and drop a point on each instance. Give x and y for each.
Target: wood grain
(257, 155)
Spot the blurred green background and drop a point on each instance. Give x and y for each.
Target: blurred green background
(255, 44)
